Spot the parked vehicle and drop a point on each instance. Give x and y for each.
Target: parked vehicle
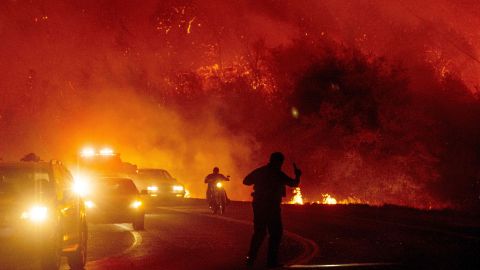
(39, 212)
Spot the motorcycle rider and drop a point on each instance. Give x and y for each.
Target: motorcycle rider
(210, 180)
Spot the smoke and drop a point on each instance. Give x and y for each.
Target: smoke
(386, 90)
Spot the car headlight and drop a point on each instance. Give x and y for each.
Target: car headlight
(89, 204)
(136, 204)
(177, 188)
(152, 188)
(36, 214)
(219, 185)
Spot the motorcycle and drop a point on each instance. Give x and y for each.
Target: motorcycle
(218, 198)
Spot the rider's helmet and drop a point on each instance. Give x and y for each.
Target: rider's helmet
(216, 170)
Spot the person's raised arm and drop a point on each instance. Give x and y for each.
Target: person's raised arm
(249, 179)
(290, 181)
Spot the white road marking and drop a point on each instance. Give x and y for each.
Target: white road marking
(137, 240)
(310, 247)
(137, 237)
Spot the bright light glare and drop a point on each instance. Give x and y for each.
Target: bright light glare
(36, 214)
(106, 152)
(136, 204)
(177, 188)
(87, 152)
(152, 188)
(80, 187)
(89, 204)
(219, 185)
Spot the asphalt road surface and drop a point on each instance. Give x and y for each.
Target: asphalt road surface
(187, 236)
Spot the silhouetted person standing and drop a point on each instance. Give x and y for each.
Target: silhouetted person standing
(268, 189)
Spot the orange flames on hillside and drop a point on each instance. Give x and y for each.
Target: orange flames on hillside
(298, 198)
(327, 199)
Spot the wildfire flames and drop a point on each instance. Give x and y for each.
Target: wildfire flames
(379, 111)
(297, 197)
(327, 199)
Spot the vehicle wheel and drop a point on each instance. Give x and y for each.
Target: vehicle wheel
(221, 207)
(78, 259)
(51, 255)
(222, 204)
(139, 223)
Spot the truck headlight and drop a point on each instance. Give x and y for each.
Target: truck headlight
(177, 188)
(36, 214)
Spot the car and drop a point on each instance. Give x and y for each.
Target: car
(115, 200)
(39, 209)
(158, 183)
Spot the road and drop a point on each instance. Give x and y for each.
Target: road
(187, 236)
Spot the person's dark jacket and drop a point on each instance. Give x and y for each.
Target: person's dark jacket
(269, 184)
(213, 177)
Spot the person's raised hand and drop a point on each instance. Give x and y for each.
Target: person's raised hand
(296, 170)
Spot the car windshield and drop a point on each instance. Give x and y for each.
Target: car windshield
(19, 180)
(155, 175)
(117, 186)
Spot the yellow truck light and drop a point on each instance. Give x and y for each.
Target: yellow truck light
(106, 152)
(87, 152)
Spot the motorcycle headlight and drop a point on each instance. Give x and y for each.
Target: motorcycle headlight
(219, 185)
(177, 188)
(136, 204)
(36, 214)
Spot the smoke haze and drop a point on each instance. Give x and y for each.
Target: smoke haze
(386, 91)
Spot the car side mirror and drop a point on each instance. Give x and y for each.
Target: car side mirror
(144, 192)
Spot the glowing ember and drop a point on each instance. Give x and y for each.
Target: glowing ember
(297, 197)
(327, 199)
(295, 112)
(189, 28)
